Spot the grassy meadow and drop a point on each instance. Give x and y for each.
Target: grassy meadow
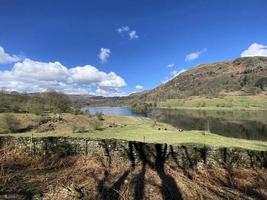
(258, 102)
(124, 128)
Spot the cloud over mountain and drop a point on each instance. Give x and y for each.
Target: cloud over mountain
(255, 49)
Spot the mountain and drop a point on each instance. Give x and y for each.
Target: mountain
(242, 76)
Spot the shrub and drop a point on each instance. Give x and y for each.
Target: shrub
(201, 104)
(97, 125)
(9, 124)
(142, 107)
(45, 128)
(3, 127)
(99, 116)
(77, 111)
(42, 120)
(79, 129)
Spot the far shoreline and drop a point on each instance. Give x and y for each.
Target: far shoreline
(213, 108)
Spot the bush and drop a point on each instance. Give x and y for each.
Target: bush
(79, 129)
(3, 127)
(45, 128)
(9, 124)
(142, 107)
(97, 125)
(41, 120)
(203, 104)
(99, 116)
(77, 111)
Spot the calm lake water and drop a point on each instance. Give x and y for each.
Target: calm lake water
(106, 110)
(239, 124)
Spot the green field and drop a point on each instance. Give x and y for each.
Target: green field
(229, 103)
(140, 129)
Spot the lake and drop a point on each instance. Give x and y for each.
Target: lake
(250, 125)
(239, 124)
(107, 110)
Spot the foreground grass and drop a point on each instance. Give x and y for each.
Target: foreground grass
(97, 176)
(140, 129)
(258, 102)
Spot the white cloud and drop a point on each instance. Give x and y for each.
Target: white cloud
(139, 87)
(35, 76)
(126, 30)
(170, 65)
(133, 35)
(194, 55)
(123, 29)
(86, 75)
(6, 58)
(173, 74)
(40, 70)
(92, 76)
(107, 93)
(255, 49)
(104, 55)
(111, 80)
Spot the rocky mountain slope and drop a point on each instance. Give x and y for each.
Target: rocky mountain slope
(242, 76)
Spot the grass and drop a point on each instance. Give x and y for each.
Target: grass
(143, 130)
(97, 177)
(258, 102)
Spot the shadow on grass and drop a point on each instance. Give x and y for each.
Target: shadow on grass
(112, 192)
(156, 158)
(169, 188)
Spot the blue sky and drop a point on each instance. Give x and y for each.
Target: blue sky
(153, 34)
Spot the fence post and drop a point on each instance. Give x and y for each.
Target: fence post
(86, 147)
(31, 144)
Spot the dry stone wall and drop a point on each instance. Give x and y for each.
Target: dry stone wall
(183, 156)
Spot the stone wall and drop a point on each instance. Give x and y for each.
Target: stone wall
(183, 156)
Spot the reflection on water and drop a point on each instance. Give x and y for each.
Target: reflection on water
(240, 124)
(107, 110)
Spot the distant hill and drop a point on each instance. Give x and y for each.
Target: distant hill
(242, 76)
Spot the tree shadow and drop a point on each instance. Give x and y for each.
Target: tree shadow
(130, 153)
(106, 150)
(156, 158)
(139, 180)
(111, 193)
(169, 188)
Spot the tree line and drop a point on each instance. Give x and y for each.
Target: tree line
(38, 103)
